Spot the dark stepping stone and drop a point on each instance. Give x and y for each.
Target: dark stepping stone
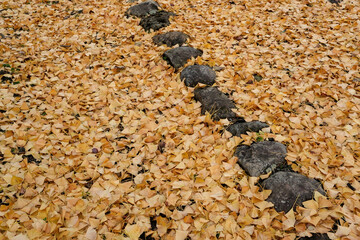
(215, 102)
(290, 189)
(143, 9)
(316, 236)
(170, 38)
(261, 158)
(177, 57)
(238, 128)
(337, 2)
(156, 20)
(192, 75)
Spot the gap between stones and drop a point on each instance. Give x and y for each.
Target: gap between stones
(288, 187)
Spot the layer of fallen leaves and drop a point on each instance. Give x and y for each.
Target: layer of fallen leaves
(101, 140)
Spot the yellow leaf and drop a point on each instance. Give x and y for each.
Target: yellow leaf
(342, 231)
(311, 204)
(20, 203)
(4, 208)
(83, 148)
(16, 180)
(20, 237)
(7, 153)
(133, 231)
(162, 225)
(80, 205)
(207, 45)
(315, 220)
(290, 221)
(324, 203)
(40, 143)
(91, 234)
(24, 106)
(34, 233)
(181, 235)
(245, 221)
(263, 205)
(53, 92)
(280, 138)
(42, 214)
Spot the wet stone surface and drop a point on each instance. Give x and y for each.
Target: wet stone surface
(170, 38)
(261, 158)
(143, 9)
(192, 75)
(156, 20)
(177, 57)
(290, 189)
(215, 102)
(238, 128)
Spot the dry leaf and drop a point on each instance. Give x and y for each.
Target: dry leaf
(121, 147)
(290, 220)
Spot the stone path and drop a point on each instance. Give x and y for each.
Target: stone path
(288, 188)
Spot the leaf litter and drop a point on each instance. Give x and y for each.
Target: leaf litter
(78, 76)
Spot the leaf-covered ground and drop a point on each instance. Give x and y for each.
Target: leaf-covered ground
(101, 140)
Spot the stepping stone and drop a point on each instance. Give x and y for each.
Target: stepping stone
(290, 189)
(156, 20)
(215, 102)
(170, 38)
(316, 236)
(192, 75)
(177, 57)
(261, 158)
(238, 128)
(337, 2)
(143, 9)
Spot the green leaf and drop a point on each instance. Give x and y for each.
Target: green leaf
(257, 77)
(259, 139)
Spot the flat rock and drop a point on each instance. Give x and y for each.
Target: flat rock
(290, 189)
(215, 102)
(261, 158)
(170, 38)
(143, 9)
(316, 236)
(192, 75)
(337, 2)
(238, 128)
(156, 20)
(177, 57)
